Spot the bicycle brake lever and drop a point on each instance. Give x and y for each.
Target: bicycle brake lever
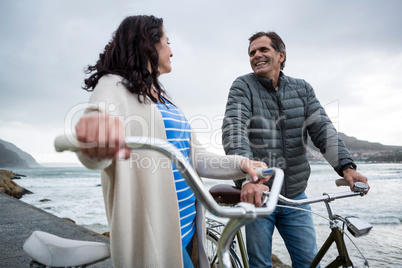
(264, 197)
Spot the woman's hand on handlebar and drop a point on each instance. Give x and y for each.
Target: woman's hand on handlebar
(248, 166)
(101, 136)
(252, 192)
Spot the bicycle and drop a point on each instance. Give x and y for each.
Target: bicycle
(239, 215)
(229, 195)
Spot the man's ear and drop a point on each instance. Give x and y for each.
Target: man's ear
(282, 56)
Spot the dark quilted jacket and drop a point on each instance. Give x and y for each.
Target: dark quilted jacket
(271, 126)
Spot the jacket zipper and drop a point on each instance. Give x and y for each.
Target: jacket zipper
(282, 135)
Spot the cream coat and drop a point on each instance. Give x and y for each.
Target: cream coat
(139, 193)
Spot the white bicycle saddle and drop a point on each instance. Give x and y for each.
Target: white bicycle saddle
(52, 250)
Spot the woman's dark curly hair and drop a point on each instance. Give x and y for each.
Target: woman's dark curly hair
(128, 54)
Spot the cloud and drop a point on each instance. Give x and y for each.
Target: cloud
(349, 51)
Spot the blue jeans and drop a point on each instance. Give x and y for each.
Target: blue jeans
(296, 229)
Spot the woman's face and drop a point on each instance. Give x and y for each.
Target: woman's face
(165, 53)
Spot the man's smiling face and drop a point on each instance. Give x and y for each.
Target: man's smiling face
(264, 60)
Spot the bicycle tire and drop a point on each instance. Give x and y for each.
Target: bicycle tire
(211, 246)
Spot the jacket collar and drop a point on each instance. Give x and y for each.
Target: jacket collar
(267, 83)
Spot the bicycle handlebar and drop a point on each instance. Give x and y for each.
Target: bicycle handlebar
(196, 184)
(324, 198)
(69, 143)
(360, 188)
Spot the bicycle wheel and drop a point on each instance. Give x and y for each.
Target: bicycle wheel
(211, 248)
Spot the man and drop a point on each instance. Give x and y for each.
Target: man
(268, 116)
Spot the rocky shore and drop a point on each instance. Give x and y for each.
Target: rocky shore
(9, 186)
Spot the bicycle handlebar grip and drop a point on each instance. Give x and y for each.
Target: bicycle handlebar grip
(69, 143)
(66, 143)
(262, 173)
(358, 186)
(341, 182)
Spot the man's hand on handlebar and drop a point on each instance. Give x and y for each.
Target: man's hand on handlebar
(352, 176)
(101, 136)
(252, 193)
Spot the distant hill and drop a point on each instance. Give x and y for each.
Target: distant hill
(363, 151)
(353, 144)
(12, 156)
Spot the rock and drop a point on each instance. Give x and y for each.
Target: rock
(45, 200)
(7, 173)
(70, 220)
(107, 234)
(9, 187)
(277, 263)
(11, 175)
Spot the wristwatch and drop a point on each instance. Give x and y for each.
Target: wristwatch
(351, 166)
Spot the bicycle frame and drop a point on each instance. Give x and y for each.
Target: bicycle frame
(336, 235)
(242, 248)
(343, 257)
(224, 194)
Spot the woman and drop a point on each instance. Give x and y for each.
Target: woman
(154, 218)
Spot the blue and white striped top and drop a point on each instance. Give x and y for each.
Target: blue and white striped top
(178, 133)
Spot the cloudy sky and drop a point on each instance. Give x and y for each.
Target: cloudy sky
(349, 51)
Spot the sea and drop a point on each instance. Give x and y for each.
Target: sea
(75, 193)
